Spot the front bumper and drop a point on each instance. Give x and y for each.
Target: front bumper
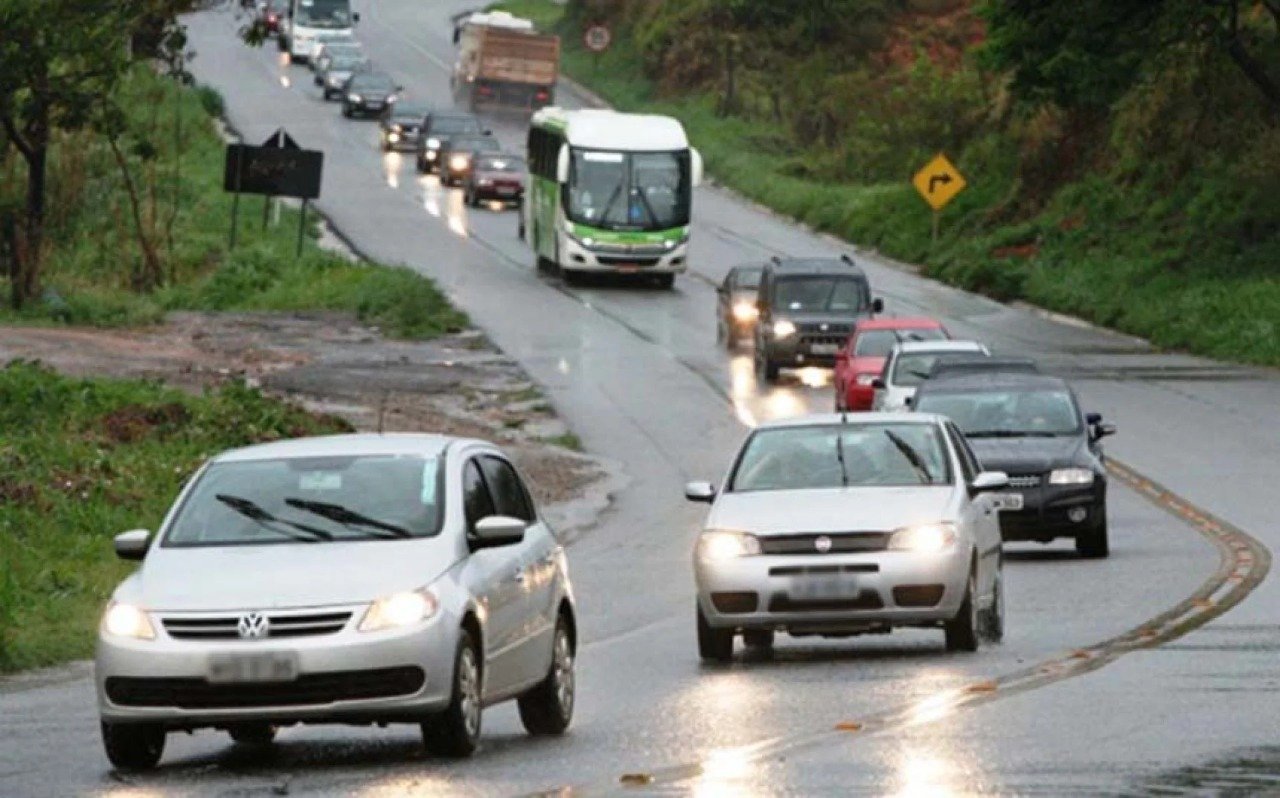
(859, 397)
(797, 351)
(574, 256)
(888, 588)
(515, 194)
(129, 674)
(1054, 511)
(401, 141)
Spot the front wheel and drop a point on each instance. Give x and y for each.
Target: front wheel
(548, 708)
(962, 630)
(993, 618)
(456, 731)
(714, 645)
(665, 281)
(1094, 543)
(133, 746)
(766, 368)
(256, 734)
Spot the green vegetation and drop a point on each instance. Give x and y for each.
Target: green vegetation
(568, 441)
(83, 460)
(1123, 163)
(94, 268)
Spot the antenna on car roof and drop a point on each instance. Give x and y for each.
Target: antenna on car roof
(844, 256)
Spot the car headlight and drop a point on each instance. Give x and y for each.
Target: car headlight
(865, 379)
(399, 610)
(396, 128)
(355, 98)
(392, 97)
(723, 544)
(433, 143)
(783, 329)
(924, 538)
(393, 137)
(1071, 476)
(126, 620)
(745, 311)
(459, 162)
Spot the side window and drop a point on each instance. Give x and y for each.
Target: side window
(475, 495)
(509, 495)
(968, 463)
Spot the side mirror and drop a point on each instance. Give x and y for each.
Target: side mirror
(989, 481)
(878, 384)
(562, 164)
(700, 492)
(498, 530)
(695, 167)
(907, 401)
(355, 16)
(877, 305)
(1093, 418)
(1103, 430)
(132, 545)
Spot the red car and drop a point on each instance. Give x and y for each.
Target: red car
(862, 358)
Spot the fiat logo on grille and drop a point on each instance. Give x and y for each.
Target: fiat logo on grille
(824, 327)
(822, 543)
(253, 626)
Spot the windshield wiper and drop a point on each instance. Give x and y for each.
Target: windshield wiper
(266, 520)
(348, 517)
(912, 456)
(604, 212)
(924, 375)
(647, 207)
(844, 472)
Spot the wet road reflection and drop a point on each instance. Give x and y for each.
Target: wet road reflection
(926, 773)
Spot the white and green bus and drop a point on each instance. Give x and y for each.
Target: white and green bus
(609, 192)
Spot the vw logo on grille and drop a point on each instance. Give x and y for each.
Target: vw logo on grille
(822, 543)
(253, 626)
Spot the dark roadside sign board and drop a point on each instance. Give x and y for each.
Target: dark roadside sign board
(276, 168)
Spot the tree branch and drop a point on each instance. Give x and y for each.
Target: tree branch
(11, 131)
(1255, 72)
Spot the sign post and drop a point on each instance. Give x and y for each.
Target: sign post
(276, 168)
(938, 183)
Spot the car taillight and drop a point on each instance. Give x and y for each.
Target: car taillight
(485, 90)
(542, 95)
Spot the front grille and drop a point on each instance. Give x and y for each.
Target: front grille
(226, 627)
(732, 603)
(629, 260)
(841, 543)
(310, 689)
(631, 250)
(812, 570)
(829, 340)
(1024, 480)
(917, 595)
(825, 329)
(866, 600)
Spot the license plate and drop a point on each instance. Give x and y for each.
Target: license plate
(1010, 501)
(824, 349)
(818, 587)
(274, 666)
(627, 268)
(374, 104)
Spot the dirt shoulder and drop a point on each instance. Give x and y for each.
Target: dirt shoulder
(329, 362)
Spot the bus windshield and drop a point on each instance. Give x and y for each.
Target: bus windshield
(629, 190)
(323, 13)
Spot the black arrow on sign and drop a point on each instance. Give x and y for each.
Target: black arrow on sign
(281, 140)
(943, 178)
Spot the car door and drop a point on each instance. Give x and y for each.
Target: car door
(536, 578)
(494, 572)
(981, 514)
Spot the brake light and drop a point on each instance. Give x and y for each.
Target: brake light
(485, 90)
(542, 95)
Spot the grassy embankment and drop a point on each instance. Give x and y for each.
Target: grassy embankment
(1170, 232)
(84, 459)
(93, 250)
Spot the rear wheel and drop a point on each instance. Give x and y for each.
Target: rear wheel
(253, 733)
(962, 630)
(1095, 543)
(456, 731)
(548, 708)
(714, 645)
(133, 746)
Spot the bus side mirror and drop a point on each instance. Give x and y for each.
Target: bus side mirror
(457, 34)
(562, 164)
(695, 167)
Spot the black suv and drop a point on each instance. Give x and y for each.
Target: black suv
(1030, 426)
(808, 307)
(437, 128)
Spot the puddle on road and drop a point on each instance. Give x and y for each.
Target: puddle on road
(1255, 772)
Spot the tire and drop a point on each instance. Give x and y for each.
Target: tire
(280, 45)
(572, 276)
(133, 746)
(665, 281)
(257, 734)
(547, 709)
(962, 630)
(758, 639)
(993, 618)
(455, 732)
(346, 110)
(766, 368)
(1095, 543)
(714, 645)
(419, 165)
(328, 95)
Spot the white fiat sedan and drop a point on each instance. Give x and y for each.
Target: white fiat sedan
(348, 579)
(836, 526)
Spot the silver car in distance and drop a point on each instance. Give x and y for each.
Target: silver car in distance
(349, 579)
(837, 526)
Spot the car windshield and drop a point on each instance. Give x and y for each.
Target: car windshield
(832, 456)
(408, 113)
(748, 278)
(912, 368)
(629, 190)
(472, 143)
(816, 294)
(311, 500)
(373, 83)
(324, 13)
(1006, 413)
(500, 163)
(878, 343)
(455, 124)
(348, 62)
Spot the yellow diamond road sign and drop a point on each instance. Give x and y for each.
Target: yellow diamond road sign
(939, 182)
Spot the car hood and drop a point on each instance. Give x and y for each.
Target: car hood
(284, 575)
(843, 319)
(773, 512)
(1030, 455)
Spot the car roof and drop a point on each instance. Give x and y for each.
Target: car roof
(360, 444)
(994, 381)
(946, 369)
(899, 323)
(814, 266)
(908, 347)
(851, 419)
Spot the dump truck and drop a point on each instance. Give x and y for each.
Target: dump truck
(503, 60)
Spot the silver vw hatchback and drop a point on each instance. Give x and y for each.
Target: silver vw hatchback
(837, 526)
(347, 579)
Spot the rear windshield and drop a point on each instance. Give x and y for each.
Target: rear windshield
(913, 368)
(878, 343)
(815, 294)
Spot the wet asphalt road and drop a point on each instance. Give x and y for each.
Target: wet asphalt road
(637, 373)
